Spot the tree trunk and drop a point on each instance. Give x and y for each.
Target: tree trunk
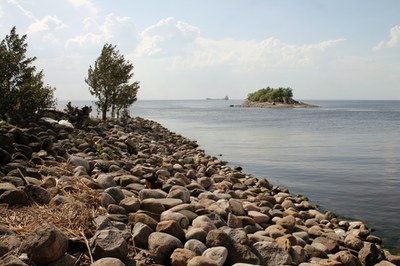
(113, 111)
(104, 113)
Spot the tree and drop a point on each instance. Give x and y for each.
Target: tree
(280, 95)
(109, 80)
(22, 89)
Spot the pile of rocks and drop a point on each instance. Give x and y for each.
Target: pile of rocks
(89, 189)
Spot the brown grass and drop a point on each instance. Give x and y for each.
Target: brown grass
(72, 218)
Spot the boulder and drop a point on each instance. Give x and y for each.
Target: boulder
(370, 255)
(130, 204)
(329, 246)
(15, 197)
(116, 193)
(105, 181)
(217, 254)
(171, 227)
(66, 260)
(236, 252)
(259, 217)
(179, 192)
(37, 194)
(45, 244)
(109, 243)
(181, 256)
(79, 161)
(108, 262)
(151, 193)
(182, 220)
(196, 246)
(161, 246)
(140, 234)
(271, 253)
(152, 205)
(287, 222)
(201, 260)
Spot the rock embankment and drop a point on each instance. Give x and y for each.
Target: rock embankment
(71, 196)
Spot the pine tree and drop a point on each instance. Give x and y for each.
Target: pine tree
(109, 81)
(22, 89)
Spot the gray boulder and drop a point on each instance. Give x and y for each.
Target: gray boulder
(272, 254)
(45, 244)
(109, 243)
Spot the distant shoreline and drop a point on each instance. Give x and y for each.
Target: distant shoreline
(250, 104)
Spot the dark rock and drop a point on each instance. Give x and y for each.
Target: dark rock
(66, 260)
(370, 255)
(115, 209)
(37, 194)
(109, 243)
(45, 244)
(106, 199)
(14, 198)
(5, 156)
(116, 193)
(237, 252)
(140, 234)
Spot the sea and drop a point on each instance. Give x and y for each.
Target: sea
(344, 156)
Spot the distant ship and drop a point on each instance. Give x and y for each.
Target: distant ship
(225, 98)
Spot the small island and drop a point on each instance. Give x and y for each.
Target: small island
(274, 98)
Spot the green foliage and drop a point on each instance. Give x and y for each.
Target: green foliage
(21, 88)
(281, 95)
(109, 80)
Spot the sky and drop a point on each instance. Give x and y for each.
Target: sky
(193, 49)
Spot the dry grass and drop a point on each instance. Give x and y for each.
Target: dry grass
(72, 218)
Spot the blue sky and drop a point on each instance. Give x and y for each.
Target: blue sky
(186, 49)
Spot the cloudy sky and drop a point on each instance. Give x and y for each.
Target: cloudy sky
(192, 49)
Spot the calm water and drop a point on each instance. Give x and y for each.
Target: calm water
(344, 156)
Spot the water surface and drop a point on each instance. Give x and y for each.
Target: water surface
(345, 156)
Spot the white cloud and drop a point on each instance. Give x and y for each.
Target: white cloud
(85, 4)
(46, 23)
(394, 40)
(183, 42)
(168, 37)
(26, 13)
(94, 33)
(1, 11)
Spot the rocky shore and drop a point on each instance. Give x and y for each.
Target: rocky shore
(134, 193)
(276, 105)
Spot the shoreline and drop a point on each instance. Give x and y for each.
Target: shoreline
(249, 104)
(101, 174)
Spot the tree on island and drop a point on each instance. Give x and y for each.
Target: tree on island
(22, 90)
(109, 81)
(280, 95)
